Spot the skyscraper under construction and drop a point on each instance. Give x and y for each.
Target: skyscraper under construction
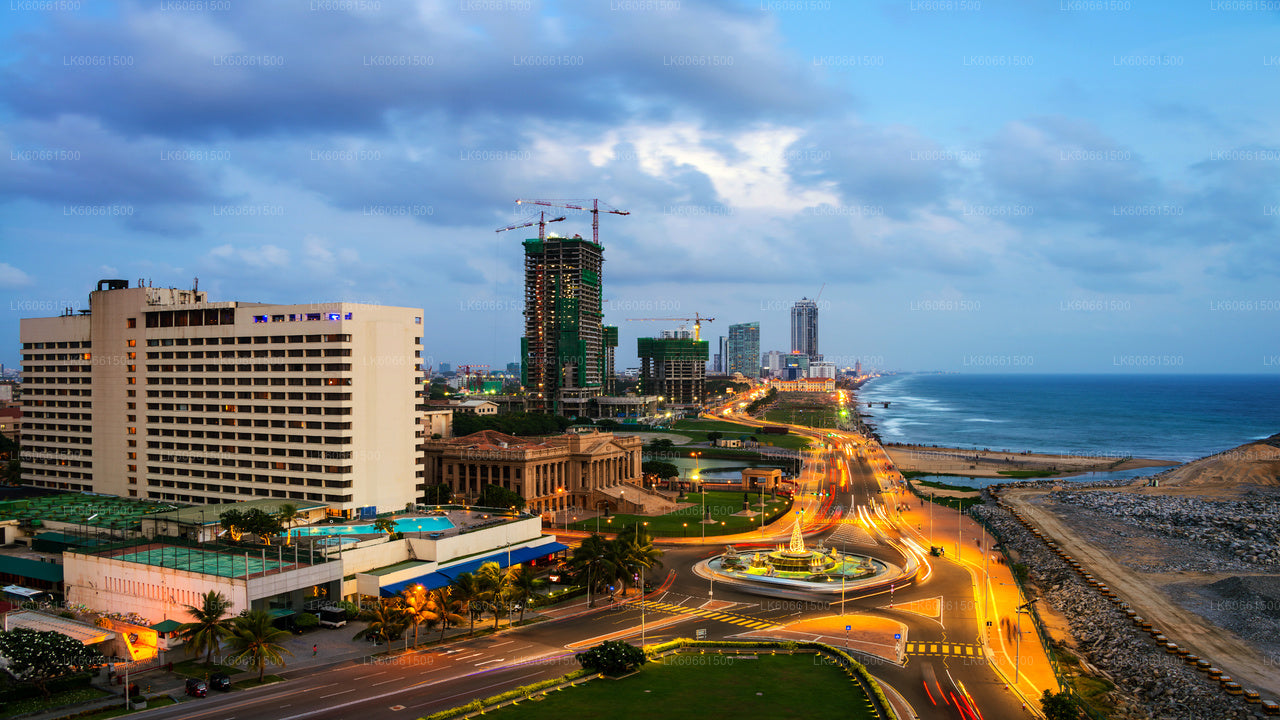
(563, 352)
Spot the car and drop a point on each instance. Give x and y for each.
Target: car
(220, 681)
(197, 688)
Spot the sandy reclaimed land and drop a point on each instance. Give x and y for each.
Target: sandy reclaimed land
(989, 463)
(1145, 593)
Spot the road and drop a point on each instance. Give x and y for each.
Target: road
(944, 673)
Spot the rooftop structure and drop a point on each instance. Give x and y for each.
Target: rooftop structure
(673, 368)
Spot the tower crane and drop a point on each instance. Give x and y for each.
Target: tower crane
(541, 222)
(594, 209)
(697, 321)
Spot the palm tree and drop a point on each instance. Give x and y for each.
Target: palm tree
(287, 513)
(210, 626)
(468, 593)
(385, 619)
(591, 561)
(258, 641)
(418, 607)
(495, 587)
(525, 586)
(641, 551)
(448, 609)
(386, 525)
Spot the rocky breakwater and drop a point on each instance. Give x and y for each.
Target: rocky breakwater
(1239, 535)
(1150, 682)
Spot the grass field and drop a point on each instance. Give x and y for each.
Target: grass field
(698, 429)
(697, 687)
(684, 523)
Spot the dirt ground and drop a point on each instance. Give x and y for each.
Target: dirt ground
(1145, 593)
(988, 463)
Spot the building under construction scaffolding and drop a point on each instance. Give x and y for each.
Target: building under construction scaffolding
(563, 354)
(674, 368)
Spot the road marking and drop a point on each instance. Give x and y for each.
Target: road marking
(340, 692)
(508, 642)
(384, 682)
(467, 657)
(486, 662)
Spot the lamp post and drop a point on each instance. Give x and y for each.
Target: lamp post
(1017, 659)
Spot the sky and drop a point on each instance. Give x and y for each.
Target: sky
(1083, 186)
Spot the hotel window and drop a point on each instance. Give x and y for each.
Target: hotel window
(131, 343)
(132, 322)
(259, 318)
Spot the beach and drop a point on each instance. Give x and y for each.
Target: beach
(990, 463)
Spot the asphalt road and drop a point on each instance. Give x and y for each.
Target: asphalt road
(938, 678)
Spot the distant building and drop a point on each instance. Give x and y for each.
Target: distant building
(563, 348)
(610, 356)
(804, 328)
(822, 370)
(11, 424)
(772, 362)
(795, 365)
(437, 421)
(159, 393)
(722, 357)
(673, 368)
(476, 407)
(804, 385)
(445, 368)
(744, 349)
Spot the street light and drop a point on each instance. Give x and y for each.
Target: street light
(1017, 659)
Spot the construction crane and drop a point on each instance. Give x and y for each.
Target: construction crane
(697, 321)
(541, 222)
(573, 205)
(469, 374)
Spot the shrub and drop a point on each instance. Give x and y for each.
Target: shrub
(613, 657)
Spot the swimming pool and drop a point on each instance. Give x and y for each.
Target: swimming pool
(434, 523)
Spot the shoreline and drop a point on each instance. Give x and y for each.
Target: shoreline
(989, 463)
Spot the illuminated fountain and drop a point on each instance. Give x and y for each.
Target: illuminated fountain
(796, 567)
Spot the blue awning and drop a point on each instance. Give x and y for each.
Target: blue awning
(444, 577)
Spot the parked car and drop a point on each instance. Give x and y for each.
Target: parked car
(220, 681)
(197, 688)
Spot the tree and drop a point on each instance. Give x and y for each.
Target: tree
(38, 656)
(419, 607)
(448, 609)
(209, 626)
(468, 593)
(590, 563)
(437, 494)
(659, 469)
(612, 657)
(287, 514)
(1059, 706)
(386, 525)
(495, 587)
(525, 586)
(258, 641)
(713, 436)
(386, 621)
(496, 496)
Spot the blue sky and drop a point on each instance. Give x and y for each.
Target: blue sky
(1067, 186)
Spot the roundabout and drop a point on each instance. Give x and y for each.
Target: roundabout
(795, 568)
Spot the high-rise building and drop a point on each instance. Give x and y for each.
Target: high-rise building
(772, 362)
(159, 393)
(674, 368)
(562, 349)
(804, 328)
(795, 366)
(744, 349)
(610, 358)
(822, 370)
(722, 364)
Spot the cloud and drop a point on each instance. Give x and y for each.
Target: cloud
(12, 278)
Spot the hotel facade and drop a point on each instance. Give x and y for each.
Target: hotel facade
(159, 393)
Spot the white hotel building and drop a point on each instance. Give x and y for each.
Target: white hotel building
(158, 393)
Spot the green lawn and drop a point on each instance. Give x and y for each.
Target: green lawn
(722, 504)
(698, 429)
(66, 697)
(159, 701)
(195, 668)
(698, 687)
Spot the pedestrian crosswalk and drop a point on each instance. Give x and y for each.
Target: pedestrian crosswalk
(943, 648)
(847, 532)
(745, 621)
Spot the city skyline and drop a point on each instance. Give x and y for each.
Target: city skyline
(981, 187)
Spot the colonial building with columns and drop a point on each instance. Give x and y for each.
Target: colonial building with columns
(551, 473)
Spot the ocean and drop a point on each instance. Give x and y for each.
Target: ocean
(1167, 417)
